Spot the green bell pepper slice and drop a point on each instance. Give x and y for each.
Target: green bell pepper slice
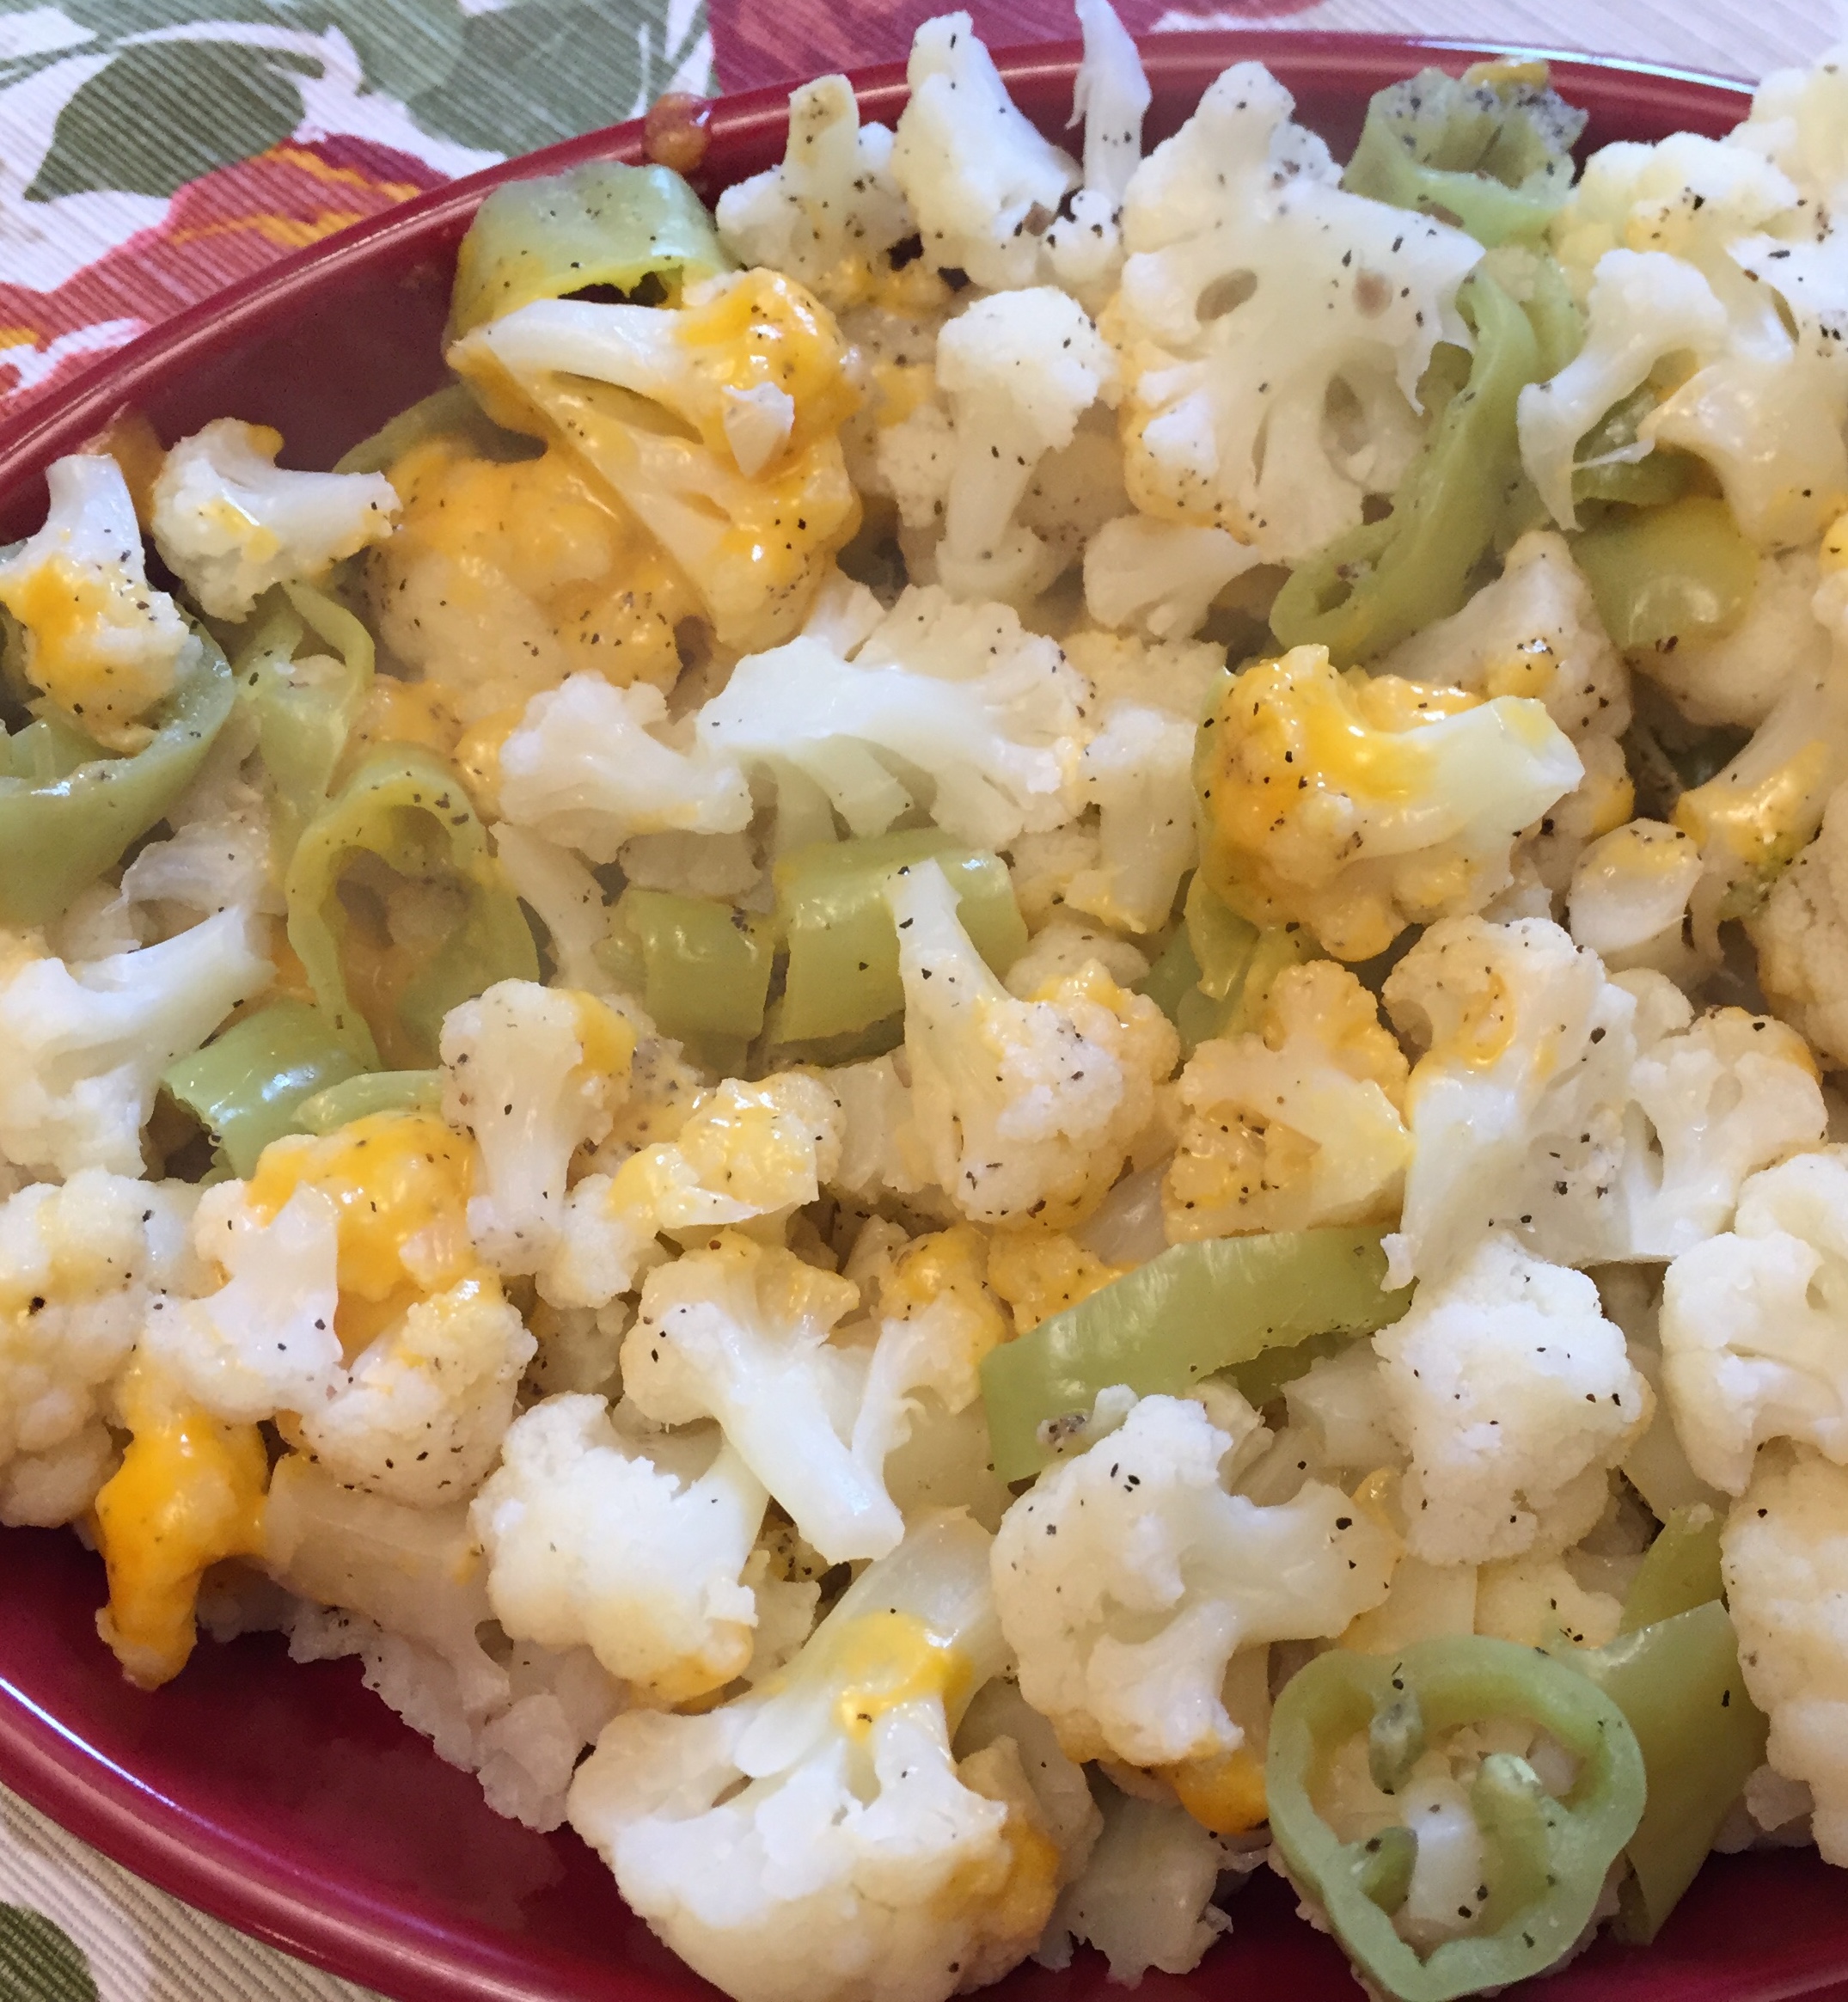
(1215, 973)
(1678, 1682)
(369, 1091)
(68, 810)
(1491, 151)
(1381, 582)
(1547, 1859)
(1191, 1311)
(304, 714)
(701, 968)
(602, 224)
(831, 911)
(1652, 481)
(248, 1085)
(408, 808)
(1665, 574)
(1680, 1569)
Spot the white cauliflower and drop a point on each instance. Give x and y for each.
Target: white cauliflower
(1128, 1578)
(419, 1415)
(588, 769)
(1253, 286)
(982, 182)
(1018, 368)
(1110, 95)
(1356, 804)
(1784, 1556)
(1754, 1323)
(1801, 935)
(101, 640)
(265, 1340)
(1159, 576)
(1736, 676)
(638, 1547)
(1643, 304)
(746, 1335)
(716, 423)
(1297, 1126)
(533, 1073)
(552, 881)
(745, 1155)
(218, 855)
(1022, 1107)
(1763, 407)
(1592, 1119)
(1535, 632)
(959, 693)
(863, 1863)
(1630, 896)
(1513, 1396)
(78, 1265)
(1137, 770)
(1145, 1900)
(229, 523)
(86, 1044)
(831, 209)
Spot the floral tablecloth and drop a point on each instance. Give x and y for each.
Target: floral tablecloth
(152, 150)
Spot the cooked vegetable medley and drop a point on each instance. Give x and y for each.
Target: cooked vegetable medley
(970, 1062)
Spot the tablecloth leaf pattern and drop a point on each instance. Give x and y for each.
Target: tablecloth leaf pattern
(154, 151)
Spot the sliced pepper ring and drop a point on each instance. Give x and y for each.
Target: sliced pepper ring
(1548, 1858)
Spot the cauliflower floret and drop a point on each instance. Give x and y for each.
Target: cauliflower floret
(265, 1340)
(1737, 676)
(1020, 370)
(638, 1549)
(881, 1149)
(982, 182)
(1801, 934)
(1137, 770)
(1784, 1554)
(77, 1266)
(86, 1044)
(229, 523)
(1630, 895)
(1358, 804)
(1510, 1437)
(1128, 1578)
(747, 1154)
(1023, 1108)
(1297, 1126)
(1764, 409)
(507, 576)
(863, 1863)
(716, 423)
(533, 1073)
(1254, 285)
(419, 1415)
(1535, 632)
(553, 883)
(1110, 95)
(831, 209)
(587, 768)
(218, 855)
(1158, 577)
(1643, 304)
(100, 641)
(961, 693)
(1592, 1119)
(741, 1333)
(1754, 1323)
(1040, 1273)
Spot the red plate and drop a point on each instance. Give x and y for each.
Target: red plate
(288, 1800)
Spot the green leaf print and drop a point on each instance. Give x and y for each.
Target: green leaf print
(39, 1962)
(140, 116)
(541, 70)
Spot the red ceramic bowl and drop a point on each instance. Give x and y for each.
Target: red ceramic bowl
(288, 1800)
